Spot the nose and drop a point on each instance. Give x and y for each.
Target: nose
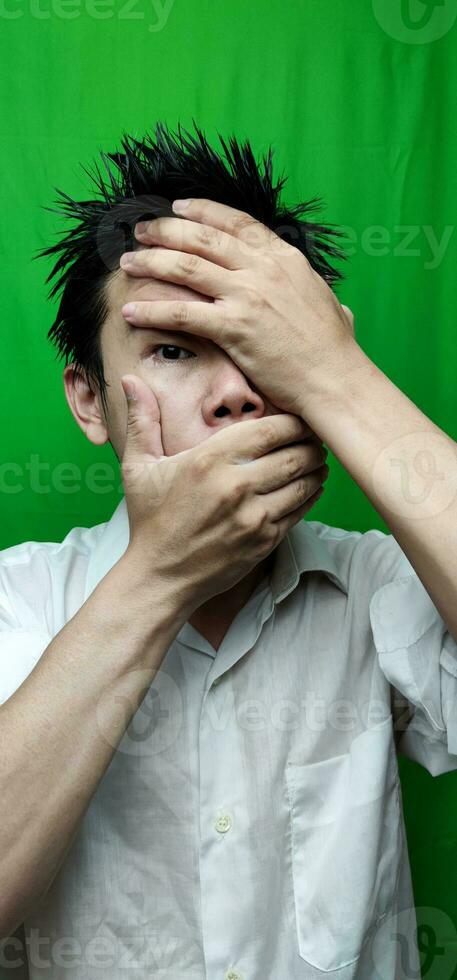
(232, 398)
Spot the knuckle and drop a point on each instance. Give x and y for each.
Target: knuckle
(131, 470)
(206, 236)
(180, 312)
(243, 222)
(202, 465)
(293, 465)
(272, 270)
(260, 520)
(132, 424)
(266, 436)
(235, 492)
(254, 299)
(189, 264)
(160, 227)
(302, 489)
(243, 522)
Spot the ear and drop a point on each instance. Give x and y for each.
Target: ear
(85, 406)
(350, 319)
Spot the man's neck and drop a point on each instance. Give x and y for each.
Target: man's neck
(214, 617)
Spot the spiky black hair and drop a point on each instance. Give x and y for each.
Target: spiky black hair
(141, 182)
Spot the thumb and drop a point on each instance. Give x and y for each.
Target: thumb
(144, 432)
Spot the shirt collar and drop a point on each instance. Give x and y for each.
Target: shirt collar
(303, 549)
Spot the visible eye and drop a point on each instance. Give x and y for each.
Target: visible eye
(171, 352)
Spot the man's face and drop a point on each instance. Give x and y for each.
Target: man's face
(198, 387)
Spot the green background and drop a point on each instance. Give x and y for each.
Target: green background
(360, 108)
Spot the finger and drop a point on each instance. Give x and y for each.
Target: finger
(144, 434)
(182, 268)
(295, 516)
(248, 440)
(240, 224)
(202, 319)
(280, 467)
(191, 236)
(285, 500)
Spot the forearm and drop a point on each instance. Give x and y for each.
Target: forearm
(402, 461)
(60, 729)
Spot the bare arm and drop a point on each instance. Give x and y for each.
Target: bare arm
(60, 729)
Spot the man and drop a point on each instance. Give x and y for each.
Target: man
(203, 698)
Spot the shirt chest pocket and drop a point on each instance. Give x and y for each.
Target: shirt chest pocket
(347, 836)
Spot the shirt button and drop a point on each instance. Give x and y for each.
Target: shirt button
(222, 824)
(233, 975)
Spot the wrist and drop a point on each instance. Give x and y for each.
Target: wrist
(329, 384)
(150, 600)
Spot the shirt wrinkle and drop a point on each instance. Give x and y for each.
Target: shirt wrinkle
(250, 822)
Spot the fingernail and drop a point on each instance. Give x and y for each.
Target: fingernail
(141, 227)
(129, 390)
(127, 258)
(128, 310)
(181, 203)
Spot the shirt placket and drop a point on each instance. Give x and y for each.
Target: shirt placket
(226, 874)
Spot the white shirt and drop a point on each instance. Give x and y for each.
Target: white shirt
(250, 824)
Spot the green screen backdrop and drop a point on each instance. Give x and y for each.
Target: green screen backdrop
(358, 100)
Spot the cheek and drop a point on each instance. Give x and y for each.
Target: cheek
(179, 398)
(180, 419)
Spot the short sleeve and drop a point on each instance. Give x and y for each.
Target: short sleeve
(20, 650)
(41, 587)
(23, 637)
(418, 656)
